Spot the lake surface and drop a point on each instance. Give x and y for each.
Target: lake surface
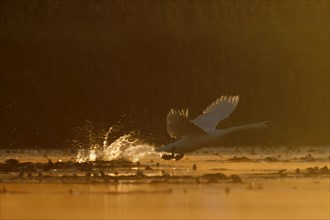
(267, 185)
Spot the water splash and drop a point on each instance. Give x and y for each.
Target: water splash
(126, 147)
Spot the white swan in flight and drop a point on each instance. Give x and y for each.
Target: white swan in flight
(201, 132)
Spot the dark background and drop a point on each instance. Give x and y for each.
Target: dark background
(65, 62)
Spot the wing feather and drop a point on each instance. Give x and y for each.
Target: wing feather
(216, 112)
(178, 124)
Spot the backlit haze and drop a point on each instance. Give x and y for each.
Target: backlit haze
(67, 62)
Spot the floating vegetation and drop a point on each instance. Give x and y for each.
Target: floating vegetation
(240, 159)
(112, 172)
(128, 168)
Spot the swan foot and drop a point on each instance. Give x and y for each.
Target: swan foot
(172, 155)
(179, 156)
(167, 157)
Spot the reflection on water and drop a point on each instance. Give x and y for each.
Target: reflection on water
(281, 198)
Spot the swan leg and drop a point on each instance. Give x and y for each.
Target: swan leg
(178, 156)
(169, 157)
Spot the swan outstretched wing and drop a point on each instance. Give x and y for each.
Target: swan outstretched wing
(216, 112)
(178, 124)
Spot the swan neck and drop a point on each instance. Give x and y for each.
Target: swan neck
(248, 126)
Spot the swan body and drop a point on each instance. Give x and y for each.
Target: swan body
(201, 132)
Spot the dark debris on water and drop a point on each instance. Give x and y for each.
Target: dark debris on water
(240, 159)
(120, 171)
(98, 172)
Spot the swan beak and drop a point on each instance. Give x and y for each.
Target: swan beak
(270, 124)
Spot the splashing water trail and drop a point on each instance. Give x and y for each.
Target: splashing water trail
(126, 147)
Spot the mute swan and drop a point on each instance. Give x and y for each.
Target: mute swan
(201, 132)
